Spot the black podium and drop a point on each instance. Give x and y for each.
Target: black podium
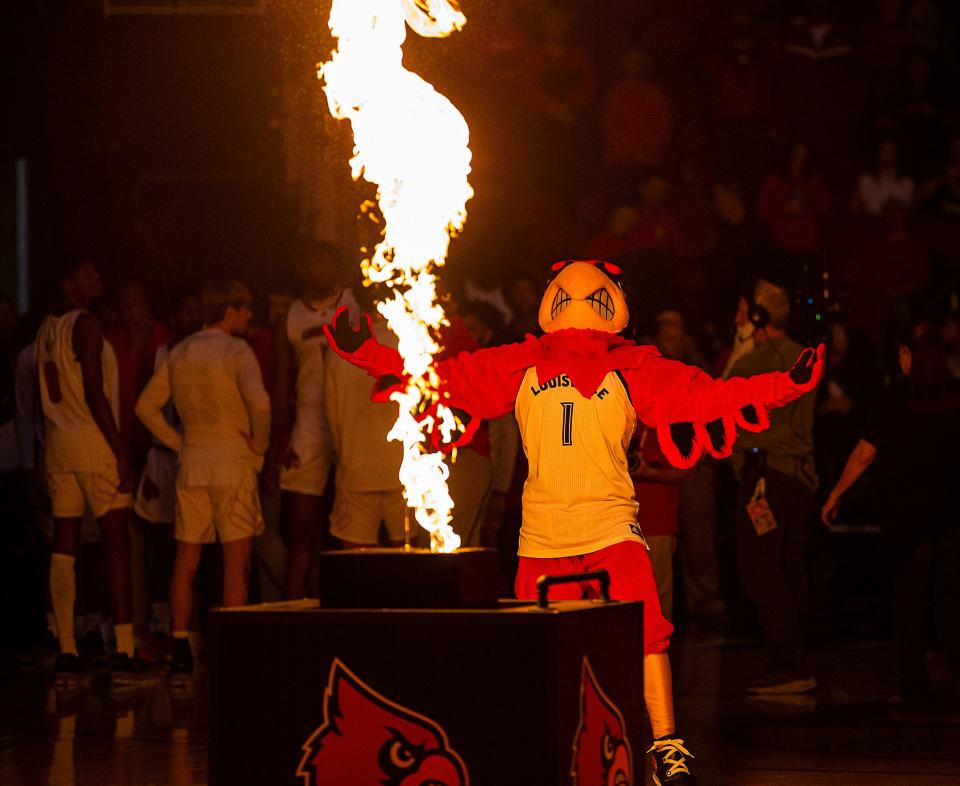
(510, 695)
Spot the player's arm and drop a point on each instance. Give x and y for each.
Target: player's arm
(88, 345)
(150, 404)
(693, 412)
(255, 398)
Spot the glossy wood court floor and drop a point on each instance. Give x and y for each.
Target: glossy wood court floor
(848, 732)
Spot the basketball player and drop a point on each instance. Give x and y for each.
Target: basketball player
(214, 381)
(87, 465)
(301, 452)
(154, 502)
(368, 490)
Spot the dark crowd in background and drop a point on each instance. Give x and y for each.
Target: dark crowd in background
(702, 147)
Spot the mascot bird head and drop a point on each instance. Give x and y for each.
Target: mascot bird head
(584, 294)
(368, 740)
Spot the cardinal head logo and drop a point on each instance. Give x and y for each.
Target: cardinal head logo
(601, 751)
(368, 740)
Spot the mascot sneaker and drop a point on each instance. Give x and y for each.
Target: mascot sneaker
(671, 762)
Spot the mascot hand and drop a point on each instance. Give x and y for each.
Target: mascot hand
(803, 377)
(386, 385)
(459, 436)
(342, 336)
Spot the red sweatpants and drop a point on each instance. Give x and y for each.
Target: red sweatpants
(631, 578)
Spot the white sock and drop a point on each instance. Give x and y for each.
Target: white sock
(63, 593)
(124, 635)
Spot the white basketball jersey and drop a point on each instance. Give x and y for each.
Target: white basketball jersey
(578, 497)
(74, 442)
(305, 334)
(214, 383)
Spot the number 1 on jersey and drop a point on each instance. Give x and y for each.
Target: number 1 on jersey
(567, 432)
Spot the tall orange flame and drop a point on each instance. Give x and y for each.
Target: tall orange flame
(412, 143)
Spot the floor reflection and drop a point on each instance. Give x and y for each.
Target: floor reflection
(98, 737)
(847, 733)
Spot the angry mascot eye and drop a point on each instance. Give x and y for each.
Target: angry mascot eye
(585, 296)
(602, 303)
(560, 301)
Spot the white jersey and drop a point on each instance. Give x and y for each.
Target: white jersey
(578, 497)
(215, 384)
(305, 334)
(74, 442)
(366, 461)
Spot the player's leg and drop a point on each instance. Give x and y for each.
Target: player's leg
(185, 564)
(303, 517)
(68, 508)
(63, 582)
(111, 508)
(631, 578)
(193, 527)
(305, 506)
(236, 571)
(115, 535)
(238, 520)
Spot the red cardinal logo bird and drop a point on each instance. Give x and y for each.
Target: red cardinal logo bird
(601, 752)
(368, 740)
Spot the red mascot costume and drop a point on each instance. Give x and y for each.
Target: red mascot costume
(578, 392)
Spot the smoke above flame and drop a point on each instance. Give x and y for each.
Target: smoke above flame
(412, 144)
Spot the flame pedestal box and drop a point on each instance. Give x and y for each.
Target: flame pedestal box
(504, 684)
(415, 579)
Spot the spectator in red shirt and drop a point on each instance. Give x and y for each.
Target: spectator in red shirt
(261, 338)
(740, 94)
(793, 205)
(657, 225)
(558, 84)
(559, 77)
(636, 120)
(135, 339)
(614, 241)
(656, 485)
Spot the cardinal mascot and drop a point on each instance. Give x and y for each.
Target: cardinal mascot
(578, 392)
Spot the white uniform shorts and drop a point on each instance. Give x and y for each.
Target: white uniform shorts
(156, 496)
(205, 513)
(310, 474)
(357, 515)
(73, 493)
